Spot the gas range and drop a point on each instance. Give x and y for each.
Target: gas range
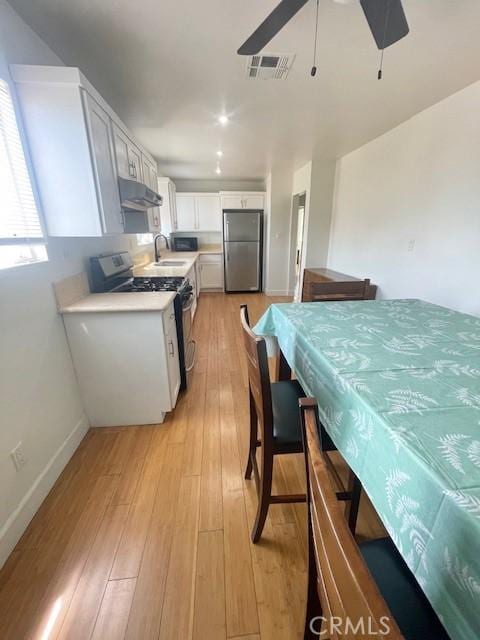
(114, 273)
(156, 283)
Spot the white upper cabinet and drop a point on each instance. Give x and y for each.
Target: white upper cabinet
(186, 212)
(79, 147)
(209, 213)
(235, 200)
(104, 169)
(168, 210)
(149, 171)
(199, 212)
(128, 155)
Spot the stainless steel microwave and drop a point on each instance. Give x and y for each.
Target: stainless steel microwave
(184, 244)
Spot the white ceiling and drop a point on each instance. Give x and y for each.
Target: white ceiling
(169, 67)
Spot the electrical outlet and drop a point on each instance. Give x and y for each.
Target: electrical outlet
(18, 456)
(411, 245)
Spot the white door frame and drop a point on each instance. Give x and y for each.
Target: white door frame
(296, 198)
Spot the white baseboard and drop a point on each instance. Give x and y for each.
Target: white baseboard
(278, 292)
(16, 524)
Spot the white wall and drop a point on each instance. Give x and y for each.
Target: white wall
(39, 401)
(318, 223)
(317, 180)
(277, 231)
(419, 183)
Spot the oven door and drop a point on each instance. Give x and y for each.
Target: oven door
(188, 342)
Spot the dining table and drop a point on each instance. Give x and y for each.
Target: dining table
(398, 389)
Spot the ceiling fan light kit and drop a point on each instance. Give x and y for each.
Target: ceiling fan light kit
(386, 19)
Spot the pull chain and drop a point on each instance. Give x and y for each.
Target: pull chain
(314, 68)
(380, 70)
(387, 16)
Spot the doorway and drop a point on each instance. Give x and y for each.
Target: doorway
(297, 227)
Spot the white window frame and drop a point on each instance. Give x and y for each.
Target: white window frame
(36, 245)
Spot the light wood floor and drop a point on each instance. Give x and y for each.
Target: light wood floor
(146, 533)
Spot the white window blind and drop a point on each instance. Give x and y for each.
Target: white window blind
(19, 219)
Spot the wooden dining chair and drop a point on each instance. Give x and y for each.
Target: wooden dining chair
(275, 427)
(358, 592)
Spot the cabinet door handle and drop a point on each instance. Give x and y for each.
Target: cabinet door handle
(171, 348)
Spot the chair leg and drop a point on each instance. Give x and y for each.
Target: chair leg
(314, 608)
(355, 489)
(252, 446)
(264, 494)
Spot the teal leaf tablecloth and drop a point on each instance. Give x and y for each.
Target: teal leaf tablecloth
(398, 387)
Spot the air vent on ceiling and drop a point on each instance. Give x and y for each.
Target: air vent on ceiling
(269, 66)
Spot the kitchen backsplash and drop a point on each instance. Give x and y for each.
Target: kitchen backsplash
(204, 237)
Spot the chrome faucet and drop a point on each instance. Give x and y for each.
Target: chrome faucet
(155, 245)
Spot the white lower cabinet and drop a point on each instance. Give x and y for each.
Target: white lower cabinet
(210, 271)
(171, 343)
(126, 363)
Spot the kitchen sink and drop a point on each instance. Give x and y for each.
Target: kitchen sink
(170, 263)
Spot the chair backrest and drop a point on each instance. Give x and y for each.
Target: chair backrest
(258, 377)
(347, 592)
(331, 291)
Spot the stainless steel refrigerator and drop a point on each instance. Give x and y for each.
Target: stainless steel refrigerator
(242, 244)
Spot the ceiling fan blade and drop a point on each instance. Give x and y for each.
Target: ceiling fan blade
(397, 26)
(271, 26)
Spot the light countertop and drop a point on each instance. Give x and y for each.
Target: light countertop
(210, 248)
(128, 301)
(137, 301)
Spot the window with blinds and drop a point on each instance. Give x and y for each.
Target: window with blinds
(21, 234)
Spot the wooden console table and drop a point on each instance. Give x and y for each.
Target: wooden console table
(324, 284)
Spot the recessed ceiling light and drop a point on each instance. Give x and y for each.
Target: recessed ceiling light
(223, 120)
(218, 171)
(220, 154)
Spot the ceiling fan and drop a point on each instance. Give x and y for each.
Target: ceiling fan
(386, 19)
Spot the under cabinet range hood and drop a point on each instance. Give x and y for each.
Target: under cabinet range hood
(135, 196)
